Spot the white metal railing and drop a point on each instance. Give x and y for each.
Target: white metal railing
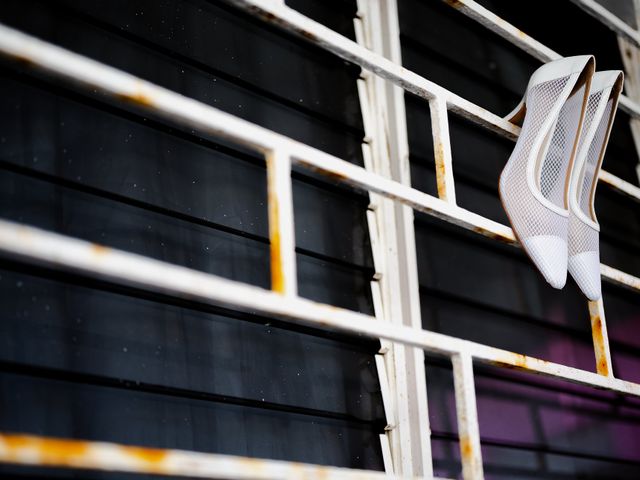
(543, 53)
(291, 20)
(111, 457)
(36, 245)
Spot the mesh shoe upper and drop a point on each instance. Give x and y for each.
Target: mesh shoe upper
(583, 239)
(534, 181)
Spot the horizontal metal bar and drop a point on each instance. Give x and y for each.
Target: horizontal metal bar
(629, 106)
(113, 457)
(317, 33)
(517, 37)
(58, 251)
(160, 101)
(504, 29)
(294, 22)
(606, 17)
(620, 185)
(618, 277)
(91, 74)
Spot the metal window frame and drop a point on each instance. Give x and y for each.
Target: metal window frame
(392, 199)
(386, 152)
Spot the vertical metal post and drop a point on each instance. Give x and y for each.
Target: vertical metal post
(409, 288)
(468, 428)
(281, 230)
(600, 338)
(387, 153)
(395, 461)
(442, 149)
(630, 54)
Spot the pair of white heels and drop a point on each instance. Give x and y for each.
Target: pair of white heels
(548, 185)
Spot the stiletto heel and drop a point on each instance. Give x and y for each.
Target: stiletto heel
(584, 249)
(534, 183)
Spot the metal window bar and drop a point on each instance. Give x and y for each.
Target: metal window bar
(112, 457)
(386, 152)
(36, 245)
(520, 39)
(499, 26)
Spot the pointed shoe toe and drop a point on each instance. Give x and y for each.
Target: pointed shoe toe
(585, 270)
(549, 254)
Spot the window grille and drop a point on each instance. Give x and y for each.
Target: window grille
(406, 446)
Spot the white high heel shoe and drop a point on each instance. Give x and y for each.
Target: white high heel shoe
(534, 182)
(584, 250)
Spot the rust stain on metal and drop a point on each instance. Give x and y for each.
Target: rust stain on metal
(308, 35)
(440, 170)
(49, 450)
(339, 177)
(99, 250)
(24, 61)
(454, 3)
(267, 16)
(271, 18)
(334, 175)
(138, 98)
(277, 273)
(521, 361)
(29, 449)
(492, 235)
(466, 449)
(150, 456)
(518, 361)
(602, 365)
